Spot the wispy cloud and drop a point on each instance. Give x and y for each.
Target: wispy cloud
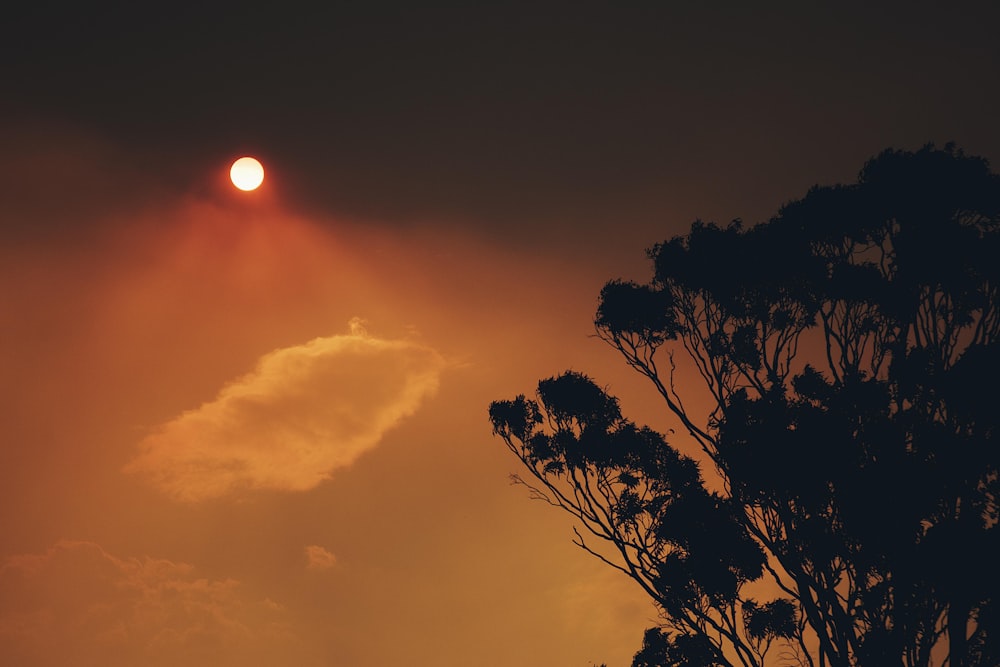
(302, 413)
(144, 610)
(318, 558)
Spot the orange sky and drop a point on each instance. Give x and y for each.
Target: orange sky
(251, 428)
(236, 436)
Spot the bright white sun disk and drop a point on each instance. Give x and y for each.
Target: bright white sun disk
(247, 174)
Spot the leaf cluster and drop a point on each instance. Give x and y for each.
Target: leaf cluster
(848, 346)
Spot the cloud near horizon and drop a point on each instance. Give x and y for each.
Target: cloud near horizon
(76, 599)
(304, 412)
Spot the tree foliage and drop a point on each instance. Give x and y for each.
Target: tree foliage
(848, 347)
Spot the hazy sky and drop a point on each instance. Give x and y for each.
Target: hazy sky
(250, 429)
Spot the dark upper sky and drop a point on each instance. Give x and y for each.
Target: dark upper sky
(514, 113)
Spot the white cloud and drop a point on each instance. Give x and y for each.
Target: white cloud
(304, 412)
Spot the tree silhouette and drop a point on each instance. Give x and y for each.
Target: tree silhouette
(846, 351)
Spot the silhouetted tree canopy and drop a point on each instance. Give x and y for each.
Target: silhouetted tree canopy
(847, 354)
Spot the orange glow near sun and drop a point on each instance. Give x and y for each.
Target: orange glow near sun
(247, 174)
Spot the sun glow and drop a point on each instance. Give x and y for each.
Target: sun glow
(247, 174)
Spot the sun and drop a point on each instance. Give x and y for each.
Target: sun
(247, 174)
